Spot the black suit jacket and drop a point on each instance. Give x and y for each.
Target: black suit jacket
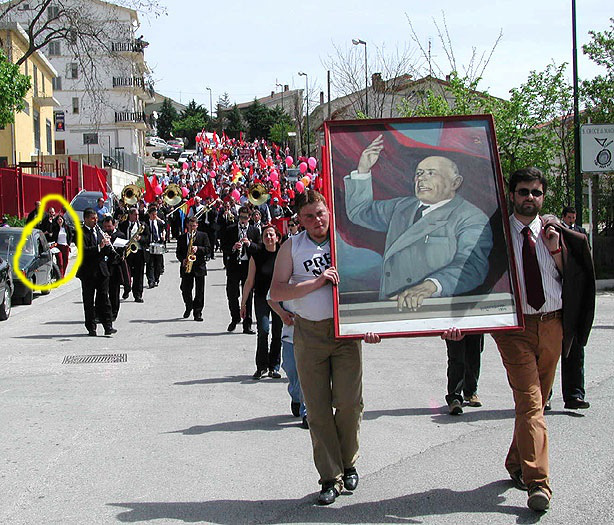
(94, 261)
(145, 236)
(201, 242)
(230, 236)
(578, 285)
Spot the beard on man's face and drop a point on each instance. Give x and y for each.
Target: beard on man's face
(527, 208)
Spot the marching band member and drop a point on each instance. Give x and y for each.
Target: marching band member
(136, 260)
(118, 269)
(155, 258)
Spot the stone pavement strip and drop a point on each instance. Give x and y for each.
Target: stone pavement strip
(179, 433)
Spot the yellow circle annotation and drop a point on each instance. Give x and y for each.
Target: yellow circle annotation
(28, 229)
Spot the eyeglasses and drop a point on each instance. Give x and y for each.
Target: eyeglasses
(292, 225)
(523, 192)
(244, 217)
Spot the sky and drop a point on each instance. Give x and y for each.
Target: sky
(245, 48)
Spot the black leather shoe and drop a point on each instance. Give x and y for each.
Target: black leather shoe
(350, 479)
(548, 406)
(328, 494)
(231, 327)
(274, 374)
(92, 333)
(248, 331)
(258, 374)
(110, 331)
(305, 423)
(125, 295)
(295, 408)
(139, 300)
(576, 403)
(198, 318)
(187, 313)
(151, 285)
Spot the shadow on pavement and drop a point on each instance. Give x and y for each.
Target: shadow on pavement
(156, 321)
(278, 422)
(64, 322)
(243, 379)
(197, 334)
(50, 336)
(411, 508)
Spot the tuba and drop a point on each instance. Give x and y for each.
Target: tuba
(172, 195)
(131, 194)
(257, 194)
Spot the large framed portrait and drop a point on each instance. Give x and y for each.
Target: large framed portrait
(418, 234)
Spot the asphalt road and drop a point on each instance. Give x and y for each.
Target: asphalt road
(179, 433)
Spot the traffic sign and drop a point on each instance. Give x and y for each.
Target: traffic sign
(597, 147)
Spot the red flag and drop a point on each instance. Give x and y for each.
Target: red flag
(224, 137)
(101, 175)
(241, 137)
(149, 195)
(215, 139)
(208, 191)
(261, 161)
(206, 140)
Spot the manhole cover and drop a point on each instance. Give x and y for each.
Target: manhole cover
(100, 358)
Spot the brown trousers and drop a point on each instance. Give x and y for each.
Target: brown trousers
(530, 359)
(330, 372)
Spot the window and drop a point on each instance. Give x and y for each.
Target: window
(35, 80)
(54, 49)
(75, 105)
(43, 83)
(72, 70)
(60, 147)
(72, 37)
(36, 121)
(56, 83)
(53, 11)
(49, 138)
(26, 107)
(90, 138)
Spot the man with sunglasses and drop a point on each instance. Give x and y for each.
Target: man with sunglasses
(557, 291)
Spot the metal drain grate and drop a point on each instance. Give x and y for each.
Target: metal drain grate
(101, 358)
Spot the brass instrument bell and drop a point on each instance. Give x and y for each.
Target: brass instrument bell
(131, 194)
(257, 194)
(172, 195)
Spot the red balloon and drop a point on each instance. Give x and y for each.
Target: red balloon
(302, 167)
(198, 139)
(186, 166)
(212, 174)
(184, 191)
(300, 187)
(312, 162)
(199, 164)
(289, 161)
(158, 190)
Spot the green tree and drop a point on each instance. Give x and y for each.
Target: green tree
(259, 119)
(188, 127)
(224, 101)
(235, 122)
(282, 125)
(166, 117)
(13, 89)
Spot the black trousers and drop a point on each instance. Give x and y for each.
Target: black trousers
(572, 373)
(194, 302)
(235, 279)
(95, 294)
(115, 283)
(155, 267)
(136, 263)
(267, 358)
(464, 366)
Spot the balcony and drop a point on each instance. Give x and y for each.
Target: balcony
(129, 46)
(134, 82)
(131, 118)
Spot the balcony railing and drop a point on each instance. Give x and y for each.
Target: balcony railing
(128, 47)
(130, 116)
(139, 82)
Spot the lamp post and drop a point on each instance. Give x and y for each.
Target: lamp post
(357, 41)
(301, 74)
(210, 102)
(282, 102)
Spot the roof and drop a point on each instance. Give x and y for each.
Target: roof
(266, 100)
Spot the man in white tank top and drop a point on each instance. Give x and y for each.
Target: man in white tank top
(329, 369)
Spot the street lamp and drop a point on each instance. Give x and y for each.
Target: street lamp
(210, 102)
(301, 74)
(281, 87)
(357, 41)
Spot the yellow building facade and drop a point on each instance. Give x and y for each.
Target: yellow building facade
(32, 135)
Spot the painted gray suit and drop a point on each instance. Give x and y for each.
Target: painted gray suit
(451, 244)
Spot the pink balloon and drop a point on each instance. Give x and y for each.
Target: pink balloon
(273, 176)
(199, 164)
(184, 191)
(302, 167)
(300, 187)
(275, 184)
(235, 195)
(212, 174)
(308, 176)
(312, 162)
(289, 161)
(158, 190)
(186, 166)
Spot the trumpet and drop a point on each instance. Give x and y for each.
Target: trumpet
(133, 243)
(229, 216)
(172, 195)
(257, 194)
(131, 194)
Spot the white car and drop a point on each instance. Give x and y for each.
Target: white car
(156, 141)
(185, 156)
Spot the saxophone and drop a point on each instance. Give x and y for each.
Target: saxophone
(191, 258)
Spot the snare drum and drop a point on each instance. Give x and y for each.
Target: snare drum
(156, 248)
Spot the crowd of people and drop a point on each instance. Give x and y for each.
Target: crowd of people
(237, 200)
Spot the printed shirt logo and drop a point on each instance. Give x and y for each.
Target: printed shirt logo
(316, 265)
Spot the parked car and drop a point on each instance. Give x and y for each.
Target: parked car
(177, 143)
(185, 157)
(89, 199)
(6, 288)
(36, 261)
(156, 141)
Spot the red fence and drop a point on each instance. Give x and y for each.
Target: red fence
(19, 191)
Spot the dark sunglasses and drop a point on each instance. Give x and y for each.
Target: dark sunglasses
(291, 224)
(523, 192)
